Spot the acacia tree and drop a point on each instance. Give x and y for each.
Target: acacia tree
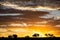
(35, 35)
(26, 36)
(49, 35)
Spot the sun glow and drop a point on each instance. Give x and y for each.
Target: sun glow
(29, 31)
(18, 24)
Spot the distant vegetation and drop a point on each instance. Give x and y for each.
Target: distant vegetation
(36, 35)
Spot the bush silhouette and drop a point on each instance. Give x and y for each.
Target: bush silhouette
(2, 37)
(26, 36)
(14, 36)
(9, 36)
(49, 35)
(35, 35)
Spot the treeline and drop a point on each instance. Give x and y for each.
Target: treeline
(36, 35)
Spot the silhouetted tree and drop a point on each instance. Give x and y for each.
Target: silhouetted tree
(35, 35)
(2, 37)
(49, 35)
(14, 36)
(9, 36)
(26, 36)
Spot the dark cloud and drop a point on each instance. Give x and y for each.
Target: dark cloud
(50, 3)
(28, 15)
(33, 3)
(1, 0)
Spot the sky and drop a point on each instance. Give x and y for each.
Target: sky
(53, 13)
(30, 17)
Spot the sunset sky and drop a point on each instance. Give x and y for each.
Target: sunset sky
(24, 17)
